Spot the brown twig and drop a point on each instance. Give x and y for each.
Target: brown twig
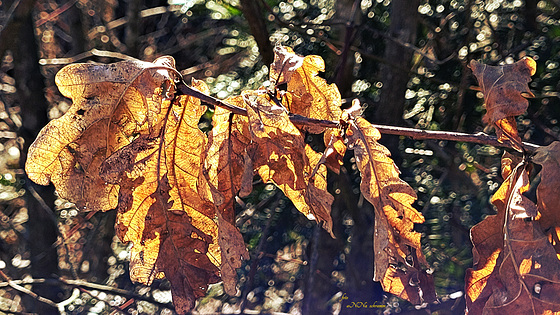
(78, 284)
(14, 285)
(63, 8)
(418, 134)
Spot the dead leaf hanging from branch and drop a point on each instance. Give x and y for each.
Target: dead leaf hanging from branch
(505, 91)
(399, 261)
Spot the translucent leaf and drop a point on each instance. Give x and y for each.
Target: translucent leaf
(505, 90)
(516, 268)
(395, 241)
(111, 103)
(127, 138)
(307, 94)
(228, 168)
(280, 156)
(548, 191)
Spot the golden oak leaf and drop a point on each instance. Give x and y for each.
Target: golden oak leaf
(233, 252)
(505, 88)
(307, 94)
(516, 266)
(228, 167)
(69, 150)
(280, 155)
(395, 240)
(487, 238)
(160, 210)
(226, 155)
(126, 138)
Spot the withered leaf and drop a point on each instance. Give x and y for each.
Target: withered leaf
(280, 156)
(233, 252)
(226, 155)
(487, 238)
(548, 191)
(284, 65)
(395, 240)
(335, 149)
(160, 211)
(307, 94)
(69, 150)
(505, 90)
(128, 136)
(228, 168)
(519, 273)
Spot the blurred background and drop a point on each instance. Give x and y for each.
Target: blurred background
(406, 60)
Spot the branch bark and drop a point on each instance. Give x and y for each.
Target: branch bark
(418, 134)
(403, 28)
(31, 98)
(253, 14)
(18, 15)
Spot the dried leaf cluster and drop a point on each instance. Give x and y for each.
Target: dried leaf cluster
(131, 142)
(516, 252)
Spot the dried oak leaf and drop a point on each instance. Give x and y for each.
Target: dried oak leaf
(281, 156)
(307, 94)
(397, 248)
(126, 142)
(160, 208)
(226, 157)
(548, 191)
(516, 266)
(69, 150)
(505, 89)
(229, 170)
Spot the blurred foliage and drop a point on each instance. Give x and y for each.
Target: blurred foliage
(211, 40)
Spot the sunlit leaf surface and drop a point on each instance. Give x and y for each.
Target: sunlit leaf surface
(505, 90)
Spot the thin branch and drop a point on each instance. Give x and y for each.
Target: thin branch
(78, 284)
(418, 134)
(63, 8)
(14, 285)
(84, 55)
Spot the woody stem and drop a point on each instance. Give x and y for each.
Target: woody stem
(418, 134)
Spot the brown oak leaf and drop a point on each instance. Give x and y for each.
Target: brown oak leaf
(69, 150)
(160, 211)
(548, 191)
(228, 169)
(285, 63)
(335, 149)
(516, 268)
(505, 90)
(307, 94)
(280, 155)
(226, 156)
(395, 241)
(128, 142)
